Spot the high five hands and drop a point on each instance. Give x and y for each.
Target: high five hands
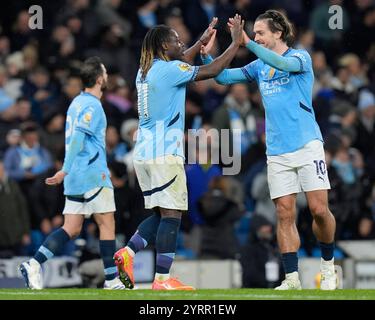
(238, 35)
(245, 37)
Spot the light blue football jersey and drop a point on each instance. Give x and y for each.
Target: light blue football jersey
(89, 168)
(287, 99)
(161, 109)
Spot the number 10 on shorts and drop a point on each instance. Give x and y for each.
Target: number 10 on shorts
(320, 167)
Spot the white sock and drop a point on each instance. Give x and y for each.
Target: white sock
(292, 275)
(162, 276)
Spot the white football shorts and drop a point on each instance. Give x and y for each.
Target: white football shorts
(163, 182)
(301, 170)
(97, 200)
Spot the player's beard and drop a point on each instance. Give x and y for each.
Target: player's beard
(104, 86)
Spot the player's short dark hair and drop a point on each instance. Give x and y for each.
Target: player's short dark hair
(90, 71)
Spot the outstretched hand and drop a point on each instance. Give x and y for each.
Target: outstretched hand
(209, 32)
(56, 179)
(245, 37)
(237, 29)
(205, 49)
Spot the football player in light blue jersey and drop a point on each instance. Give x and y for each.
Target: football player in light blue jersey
(295, 154)
(158, 154)
(87, 185)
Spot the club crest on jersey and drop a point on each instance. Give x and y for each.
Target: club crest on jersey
(184, 67)
(271, 73)
(87, 117)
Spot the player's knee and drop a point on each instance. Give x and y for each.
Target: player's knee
(319, 211)
(72, 230)
(285, 212)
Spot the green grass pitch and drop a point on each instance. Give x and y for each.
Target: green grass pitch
(207, 294)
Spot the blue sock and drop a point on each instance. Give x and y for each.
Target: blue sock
(107, 250)
(290, 262)
(146, 233)
(53, 245)
(166, 242)
(327, 250)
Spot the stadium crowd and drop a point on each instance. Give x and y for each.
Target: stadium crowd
(230, 217)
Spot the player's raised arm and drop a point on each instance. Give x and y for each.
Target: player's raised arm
(227, 76)
(209, 33)
(289, 64)
(213, 69)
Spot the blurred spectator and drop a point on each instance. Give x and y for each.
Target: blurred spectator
(114, 51)
(199, 172)
(53, 135)
(343, 116)
(23, 111)
(41, 91)
(342, 86)
(208, 95)
(84, 11)
(51, 199)
(221, 206)
(6, 101)
(13, 138)
(193, 111)
(71, 88)
(12, 118)
(116, 150)
(21, 34)
(176, 22)
(4, 48)
(306, 40)
(30, 57)
(322, 72)
(264, 206)
(147, 13)
(15, 66)
(118, 104)
(61, 49)
(359, 37)
(346, 168)
(26, 164)
(357, 74)
(130, 209)
(328, 39)
(14, 218)
(365, 128)
(107, 13)
(129, 136)
(252, 163)
(199, 13)
(238, 113)
(260, 258)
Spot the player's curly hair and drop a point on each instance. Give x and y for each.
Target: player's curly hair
(152, 47)
(277, 21)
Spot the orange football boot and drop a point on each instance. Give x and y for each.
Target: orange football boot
(170, 284)
(124, 263)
